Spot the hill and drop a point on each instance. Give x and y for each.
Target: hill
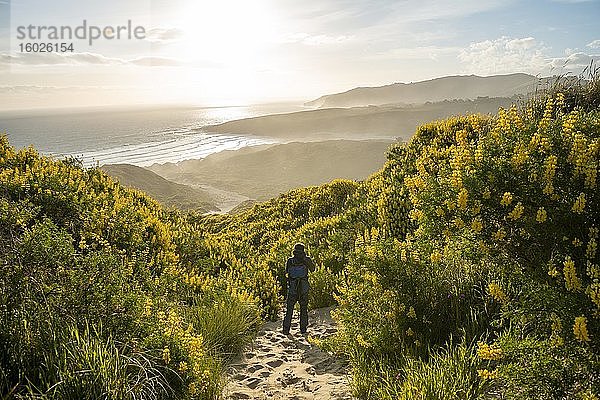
(169, 193)
(465, 267)
(359, 122)
(446, 88)
(261, 173)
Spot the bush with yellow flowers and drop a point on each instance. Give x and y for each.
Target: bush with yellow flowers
(487, 231)
(104, 294)
(467, 267)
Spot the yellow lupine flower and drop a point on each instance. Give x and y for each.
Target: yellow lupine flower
(479, 155)
(411, 312)
(489, 352)
(520, 156)
(550, 168)
(594, 292)
(362, 342)
(183, 366)
(461, 137)
(572, 281)
(148, 307)
(485, 374)
(590, 251)
(166, 355)
(463, 197)
(580, 329)
(579, 204)
(496, 292)
(552, 270)
(541, 215)
(499, 234)
(506, 199)
(436, 257)
(517, 212)
(477, 225)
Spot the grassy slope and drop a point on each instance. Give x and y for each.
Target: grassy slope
(169, 193)
(265, 172)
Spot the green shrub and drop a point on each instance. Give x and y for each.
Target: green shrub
(323, 285)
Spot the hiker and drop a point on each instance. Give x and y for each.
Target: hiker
(296, 269)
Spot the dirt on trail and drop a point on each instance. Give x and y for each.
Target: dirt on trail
(277, 366)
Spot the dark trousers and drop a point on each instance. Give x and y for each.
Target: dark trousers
(297, 292)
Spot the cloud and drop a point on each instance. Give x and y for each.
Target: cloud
(508, 55)
(38, 89)
(573, 62)
(85, 58)
(432, 53)
(504, 55)
(315, 40)
(594, 44)
(163, 35)
(58, 59)
(378, 21)
(156, 62)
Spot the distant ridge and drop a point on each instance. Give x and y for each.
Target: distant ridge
(439, 89)
(168, 193)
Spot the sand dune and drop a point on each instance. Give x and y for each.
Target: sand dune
(282, 367)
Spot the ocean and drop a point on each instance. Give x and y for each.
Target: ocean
(138, 136)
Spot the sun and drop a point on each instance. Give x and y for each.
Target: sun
(227, 31)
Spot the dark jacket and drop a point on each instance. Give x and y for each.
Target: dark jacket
(299, 258)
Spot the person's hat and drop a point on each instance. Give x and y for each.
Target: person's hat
(298, 247)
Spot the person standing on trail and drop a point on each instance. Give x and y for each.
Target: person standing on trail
(297, 269)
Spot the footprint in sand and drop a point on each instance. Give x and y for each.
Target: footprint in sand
(252, 382)
(254, 367)
(277, 366)
(274, 363)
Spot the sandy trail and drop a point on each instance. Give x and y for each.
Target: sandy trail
(289, 367)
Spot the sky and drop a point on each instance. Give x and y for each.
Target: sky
(233, 52)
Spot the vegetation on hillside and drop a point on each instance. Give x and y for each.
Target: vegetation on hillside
(99, 297)
(467, 267)
(169, 194)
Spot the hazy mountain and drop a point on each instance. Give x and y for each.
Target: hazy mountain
(261, 173)
(446, 88)
(358, 122)
(166, 192)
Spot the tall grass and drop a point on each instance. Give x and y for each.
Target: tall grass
(450, 373)
(226, 327)
(84, 365)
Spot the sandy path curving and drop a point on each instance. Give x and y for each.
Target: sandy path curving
(289, 367)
